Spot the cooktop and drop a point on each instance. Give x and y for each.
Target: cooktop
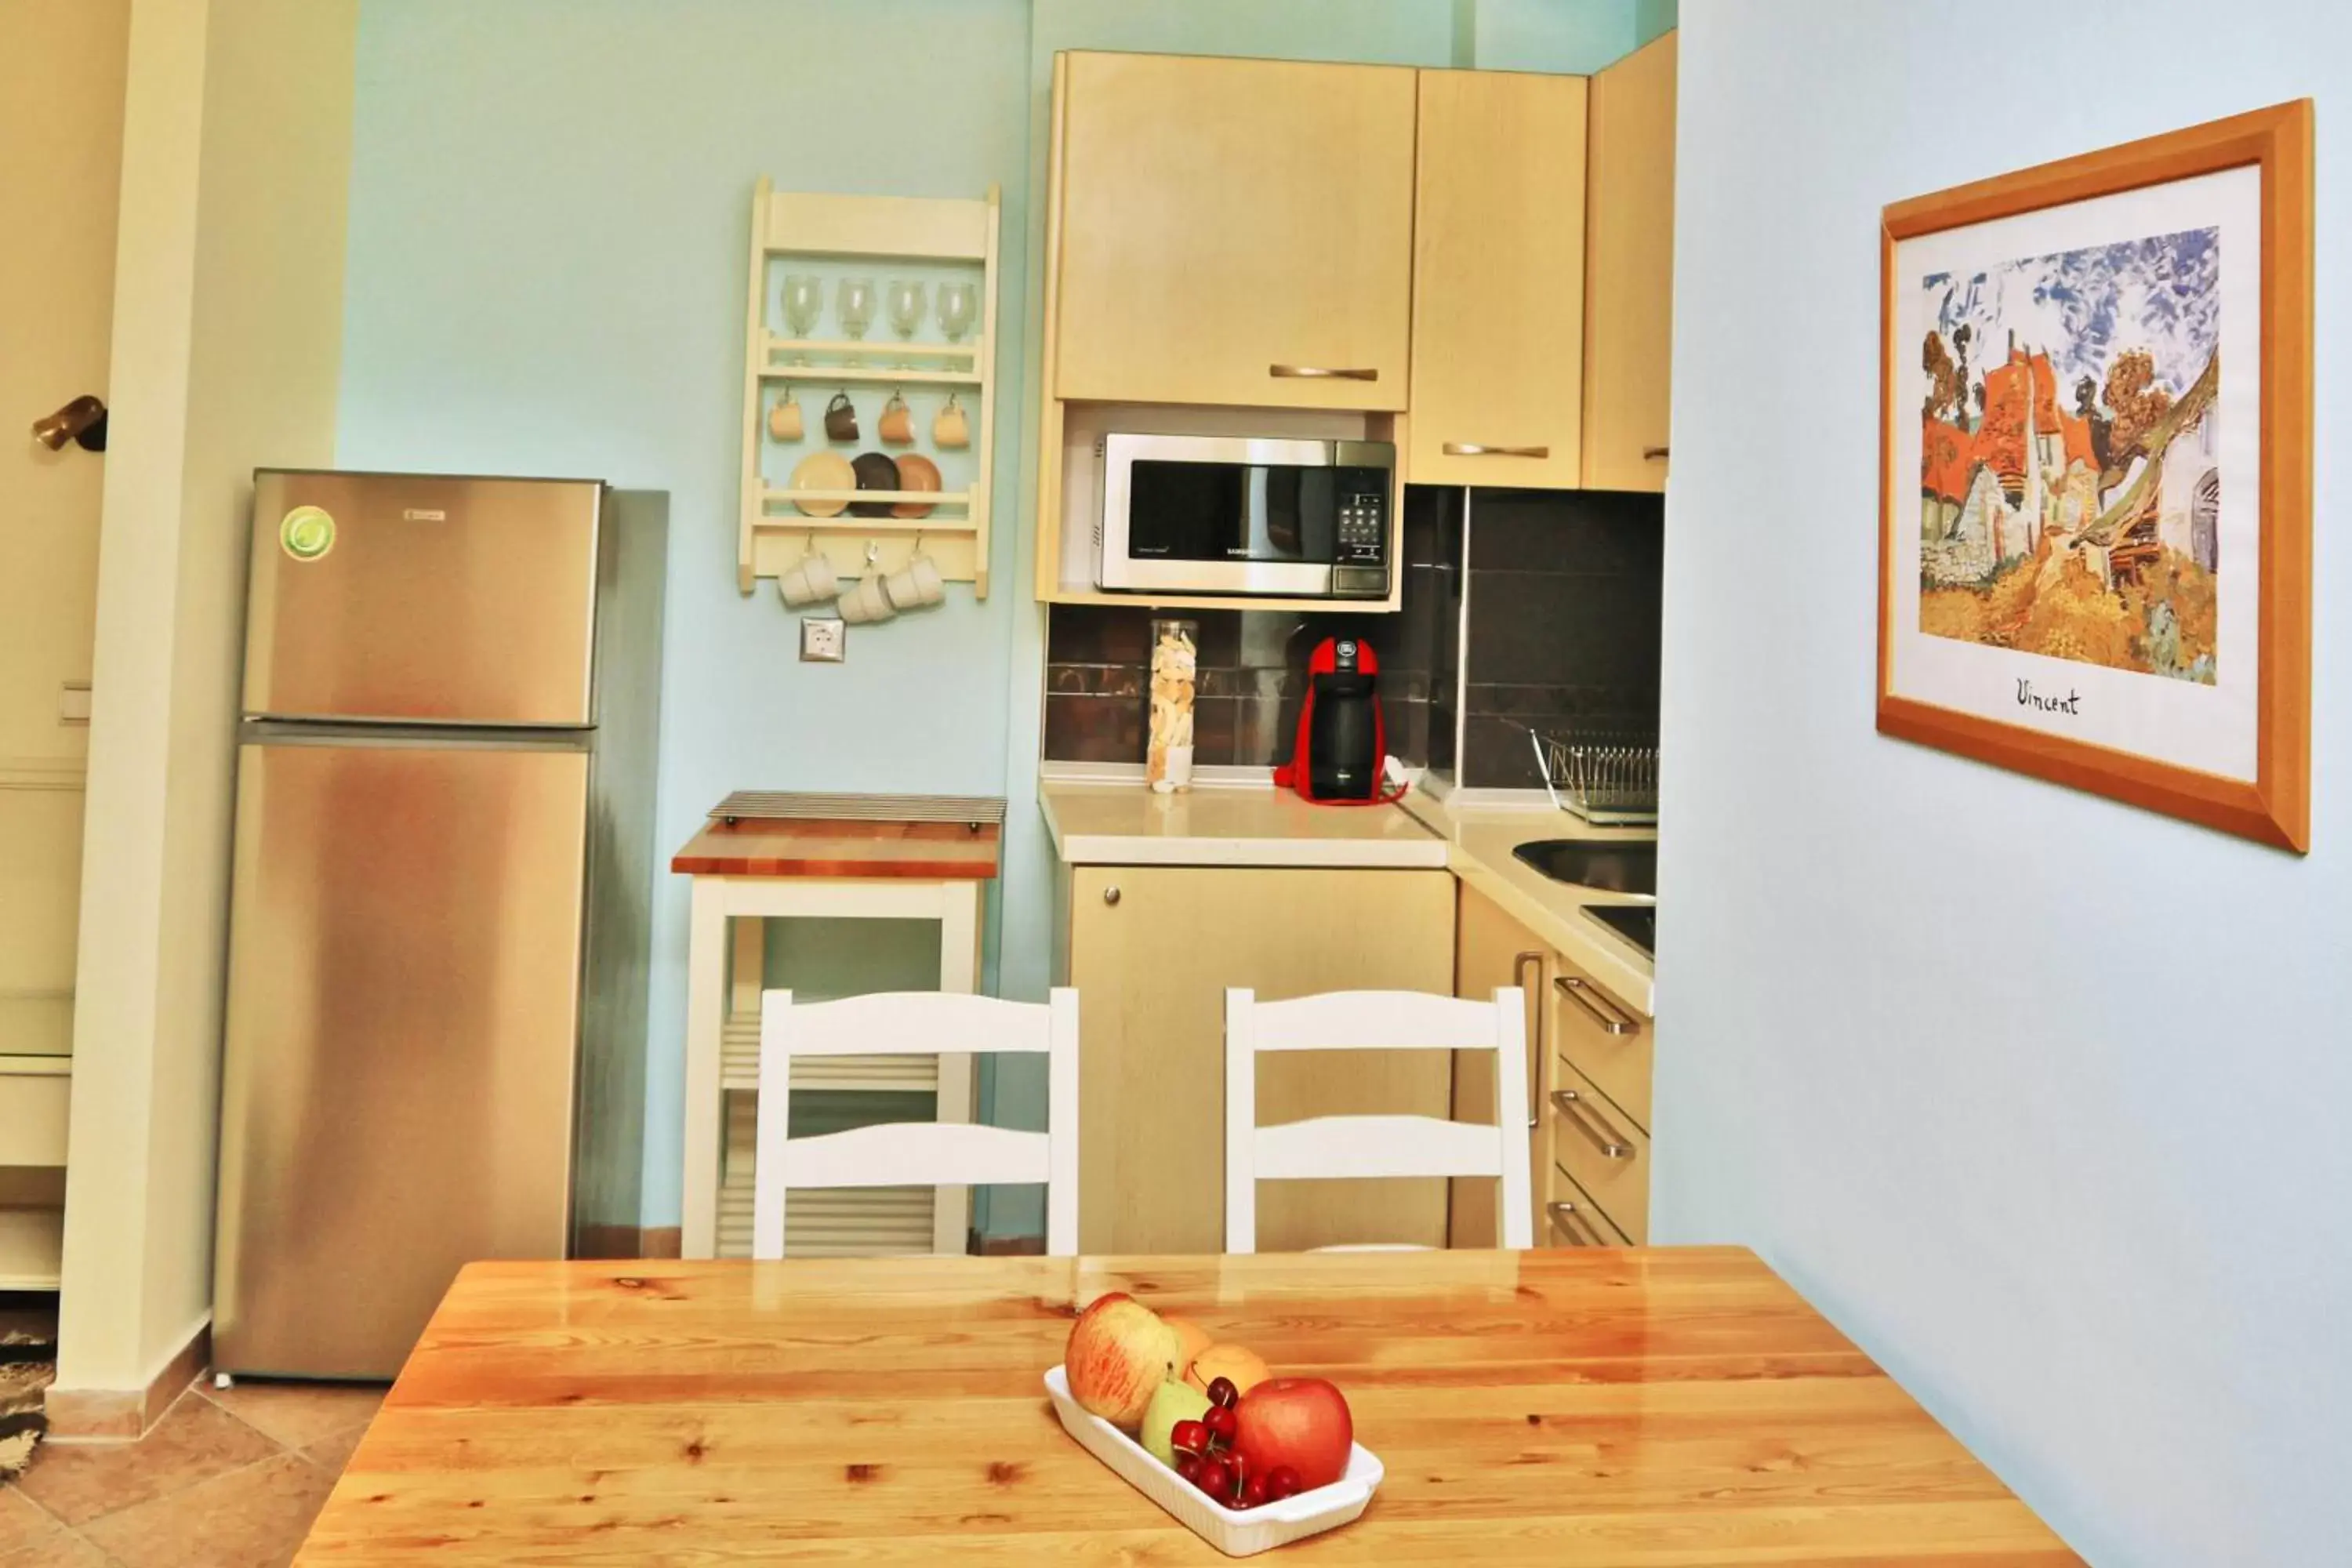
(1637, 923)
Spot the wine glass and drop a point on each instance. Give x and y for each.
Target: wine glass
(959, 306)
(855, 303)
(905, 302)
(803, 298)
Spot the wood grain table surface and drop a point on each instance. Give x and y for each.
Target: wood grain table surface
(1625, 1407)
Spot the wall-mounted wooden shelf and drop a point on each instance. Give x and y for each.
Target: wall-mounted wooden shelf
(771, 536)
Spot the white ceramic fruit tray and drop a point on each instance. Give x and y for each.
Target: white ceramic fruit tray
(1234, 1531)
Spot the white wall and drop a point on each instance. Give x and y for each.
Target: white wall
(227, 325)
(2039, 1098)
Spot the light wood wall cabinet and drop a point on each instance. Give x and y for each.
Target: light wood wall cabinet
(1629, 282)
(1589, 1082)
(1151, 949)
(1232, 231)
(1498, 282)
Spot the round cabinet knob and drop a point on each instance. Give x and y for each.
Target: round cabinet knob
(1110, 895)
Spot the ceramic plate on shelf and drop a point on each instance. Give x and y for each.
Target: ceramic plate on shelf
(916, 472)
(875, 472)
(823, 471)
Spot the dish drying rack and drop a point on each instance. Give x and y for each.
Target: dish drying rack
(1609, 780)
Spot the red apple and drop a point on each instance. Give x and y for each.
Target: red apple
(1120, 1352)
(1301, 1422)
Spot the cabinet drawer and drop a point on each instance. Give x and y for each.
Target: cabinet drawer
(1605, 1040)
(1571, 1217)
(1601, 1153)
(32, 1118)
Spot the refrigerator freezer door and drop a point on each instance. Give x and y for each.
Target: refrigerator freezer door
(450, 601)
(403, 1009)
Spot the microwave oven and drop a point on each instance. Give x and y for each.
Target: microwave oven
(1230, 514)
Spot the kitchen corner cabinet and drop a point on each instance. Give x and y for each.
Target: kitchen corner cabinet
(1588, 1084)
(1629, 282)
(1151, 949)
(1234, 231)
(1498, 319)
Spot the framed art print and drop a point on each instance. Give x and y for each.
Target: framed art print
(2095, 523)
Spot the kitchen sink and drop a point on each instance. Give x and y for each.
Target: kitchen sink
(1616, 866)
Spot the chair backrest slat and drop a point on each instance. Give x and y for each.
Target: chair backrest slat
(895, 1154)
(911, 1155)
(1333, 1147)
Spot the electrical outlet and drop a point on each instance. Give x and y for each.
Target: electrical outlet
(824, 640)
(73, 702)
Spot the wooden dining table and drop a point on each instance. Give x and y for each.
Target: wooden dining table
(1619, 1407)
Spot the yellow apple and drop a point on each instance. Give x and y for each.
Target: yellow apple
(1120, 1352)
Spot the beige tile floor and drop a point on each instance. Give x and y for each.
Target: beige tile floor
(229, 1478)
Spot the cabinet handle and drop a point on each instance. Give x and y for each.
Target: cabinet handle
(1587, 995)
(1579, 1230)
(1574, 1108)
(1474, 449)
(1535, 1035)
(1653, 454)
(1110, 895)
(1318, 372)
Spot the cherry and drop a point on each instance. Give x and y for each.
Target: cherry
(1220, 1422)
(1281, 1481)
(1215, 1476)
(1222, 1394)
(1189, 1437)
(1189, 1467)
(1255, 1491)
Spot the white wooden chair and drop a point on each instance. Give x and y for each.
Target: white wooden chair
(1338, 1146)
(917, 1153)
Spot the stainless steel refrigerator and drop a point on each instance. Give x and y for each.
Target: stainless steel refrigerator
(443, 865)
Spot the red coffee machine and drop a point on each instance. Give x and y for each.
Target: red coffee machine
(1342, 741)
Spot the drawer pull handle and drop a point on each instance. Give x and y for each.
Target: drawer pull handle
(1535, 1035)
(1474, 449)
(1587, 995)
(1653, 454)
(1318, 372)
(1579, 1230)
(1573, 1109)
(1110, 894)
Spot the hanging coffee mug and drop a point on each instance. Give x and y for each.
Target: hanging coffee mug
(784, 417)
(951, 429)
(841, 418)
(896, 424)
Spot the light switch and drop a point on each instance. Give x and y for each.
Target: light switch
(824, 640)
(73, 702)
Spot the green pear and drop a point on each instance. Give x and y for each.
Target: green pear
(1170, 1403)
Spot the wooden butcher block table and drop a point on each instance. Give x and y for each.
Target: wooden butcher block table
(764, 855)
(1610, 1407)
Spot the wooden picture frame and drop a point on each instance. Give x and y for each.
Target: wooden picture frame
(2041, 546)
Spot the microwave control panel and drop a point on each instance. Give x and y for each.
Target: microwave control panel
(1364, 531)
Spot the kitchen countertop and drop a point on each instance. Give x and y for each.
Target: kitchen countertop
(1479, 841)
(1123, 824)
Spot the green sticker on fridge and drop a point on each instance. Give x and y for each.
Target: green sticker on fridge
(307, 532)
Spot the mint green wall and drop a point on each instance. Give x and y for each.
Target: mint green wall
(549, 212)
(1574, 36)
(1652, 18)
(549, 217)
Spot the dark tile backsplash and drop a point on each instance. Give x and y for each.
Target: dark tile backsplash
(1563, 633)
(1564, 594)
(1252, 670)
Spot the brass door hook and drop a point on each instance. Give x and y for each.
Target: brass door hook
(82, 421)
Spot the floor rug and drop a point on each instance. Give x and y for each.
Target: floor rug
(28, 1363)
